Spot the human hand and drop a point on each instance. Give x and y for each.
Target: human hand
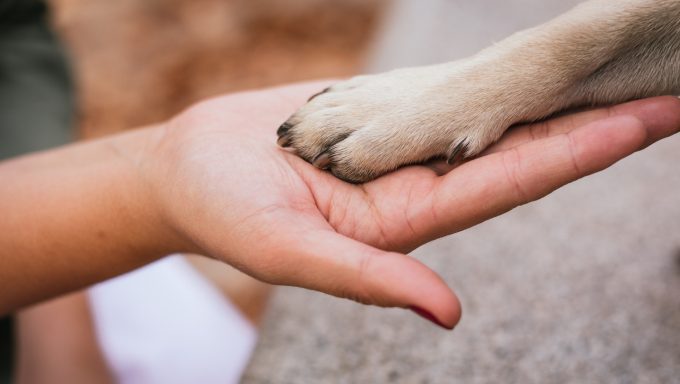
(217, 176)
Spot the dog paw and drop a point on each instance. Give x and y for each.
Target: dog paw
(370, 125)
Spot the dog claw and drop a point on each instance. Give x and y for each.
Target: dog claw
(284, 141)
(284, 128)
(323, 161)
(458, 152)
(318, 94)
(284, 138)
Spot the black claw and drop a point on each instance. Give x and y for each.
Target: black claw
(284, 141)
(318, 94)
(284, 128)
(458, 152)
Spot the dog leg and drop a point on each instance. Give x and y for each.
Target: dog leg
(601, 52)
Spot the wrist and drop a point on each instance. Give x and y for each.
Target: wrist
(142, 190)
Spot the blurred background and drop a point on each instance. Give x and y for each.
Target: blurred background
(582, 286)
(139, 62)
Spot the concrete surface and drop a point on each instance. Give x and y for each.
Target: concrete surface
(580, 287)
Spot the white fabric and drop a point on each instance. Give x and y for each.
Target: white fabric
(166, 324)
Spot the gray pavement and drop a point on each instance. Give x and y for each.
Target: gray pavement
(580, 287)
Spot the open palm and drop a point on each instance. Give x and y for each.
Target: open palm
(240, 198)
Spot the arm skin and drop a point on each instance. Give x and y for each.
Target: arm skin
(213, 181)
(72, 217)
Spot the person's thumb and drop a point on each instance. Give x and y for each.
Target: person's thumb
(325, 261)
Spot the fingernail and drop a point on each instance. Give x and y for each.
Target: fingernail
(429, 316)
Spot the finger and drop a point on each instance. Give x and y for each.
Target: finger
(494, 184)
(325, 261)
(649, 111)
(661, 117)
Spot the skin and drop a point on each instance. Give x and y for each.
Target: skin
(212, 181)
(57, 344)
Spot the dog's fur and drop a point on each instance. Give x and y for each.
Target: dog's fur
(601, 52)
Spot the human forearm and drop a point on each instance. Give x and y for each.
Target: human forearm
(212, 181)
(74, 216)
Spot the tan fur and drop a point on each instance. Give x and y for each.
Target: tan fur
(601, 52)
